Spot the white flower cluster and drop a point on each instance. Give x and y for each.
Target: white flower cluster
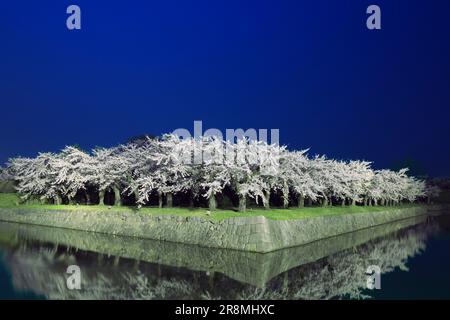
(204, 168)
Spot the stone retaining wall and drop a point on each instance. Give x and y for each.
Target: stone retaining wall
(255, 234)
(249, 267)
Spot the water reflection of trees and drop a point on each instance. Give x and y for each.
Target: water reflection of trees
(42, 269)
(343, 274)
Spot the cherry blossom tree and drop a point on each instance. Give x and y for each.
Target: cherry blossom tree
(109, 172)
(72, 171)
(5, 174)
(295, 175)
(431, 192)
(359, 180)
(325, 177)
(36, 177)
(215, 173)
(162, 167)
(254, 168)
(205, 167)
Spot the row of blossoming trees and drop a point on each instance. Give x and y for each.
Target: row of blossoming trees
(204, 169)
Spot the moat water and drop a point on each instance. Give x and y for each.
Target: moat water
(413, 256)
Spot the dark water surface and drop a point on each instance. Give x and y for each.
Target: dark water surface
(413, 255)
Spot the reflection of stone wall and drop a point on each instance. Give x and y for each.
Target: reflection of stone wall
(41, 268)
(343, 275)
(255, 234)
(43, 272)
(248, 267)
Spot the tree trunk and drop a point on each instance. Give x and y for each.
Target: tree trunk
(324, 202)
(242, 203)
(88, 197)
(266, 200)
(101, 196)
(117, 199)
(285, 196)
(309, 202)
(212, 202)
(58, 200)
(136, 197)
(343, 202)
(116, 261)
(211, 280)
(353, 202)
(375, 202)
(286, 202)
(169, 200)
(301, 201)
(191, 201)
(71, 202)
(160, 200)
(286, 282)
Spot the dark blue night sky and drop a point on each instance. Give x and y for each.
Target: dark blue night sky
(309, 68)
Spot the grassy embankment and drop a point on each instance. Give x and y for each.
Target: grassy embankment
(11, 200)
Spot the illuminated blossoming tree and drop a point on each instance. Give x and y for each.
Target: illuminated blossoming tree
(204, 168)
